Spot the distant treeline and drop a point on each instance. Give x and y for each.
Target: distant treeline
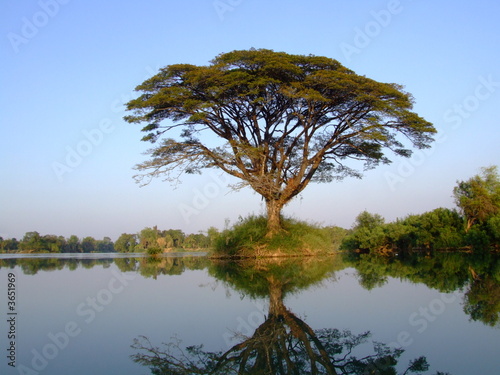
(34, 242)
(150, 240)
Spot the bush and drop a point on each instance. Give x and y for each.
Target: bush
(154, 251)
(248, 238)
(478, 239)
(438, 229)
(367, 233)
(493, 228)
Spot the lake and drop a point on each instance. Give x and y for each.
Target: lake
(112, 313)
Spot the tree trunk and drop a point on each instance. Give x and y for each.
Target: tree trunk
(273, 217)
(470, 221)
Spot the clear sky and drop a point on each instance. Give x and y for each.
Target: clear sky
(66, 155)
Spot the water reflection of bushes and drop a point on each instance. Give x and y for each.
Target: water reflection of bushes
(477, 274)
(31, 266)
(146, 266)
(283, 343)
(252, 276)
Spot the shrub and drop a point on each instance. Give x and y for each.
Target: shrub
(153, 251)
(248, 238)
(478, 239)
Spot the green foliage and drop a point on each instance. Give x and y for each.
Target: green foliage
(105, 245)
(147, 238)
(478, 238)
(126, 243)
(256, 276)
(280, 122)
(153, 251)
(10, 244)
(168, 240)
(479, 197)
(88, 245)
(165, 240)
(243, 234)
(438, 229)
(283, 343)
(367, 233)
(212, 234)
(482, 300)
(33, 242)
(368, 221)
(196, 241)
(73, 245)
(336, 235)
(248, 238)
(493, 228)
(478, 274)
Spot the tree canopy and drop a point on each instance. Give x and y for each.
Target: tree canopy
(282, 121)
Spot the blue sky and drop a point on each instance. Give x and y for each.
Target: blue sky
(66, 155)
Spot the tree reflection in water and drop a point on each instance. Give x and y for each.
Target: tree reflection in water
(283, 343)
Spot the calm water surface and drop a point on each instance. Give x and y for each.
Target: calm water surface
(81, 314)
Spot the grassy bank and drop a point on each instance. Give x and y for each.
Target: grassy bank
(247, 238)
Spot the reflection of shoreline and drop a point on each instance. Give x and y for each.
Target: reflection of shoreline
(97, 255)
(283, 343)
(475, 275)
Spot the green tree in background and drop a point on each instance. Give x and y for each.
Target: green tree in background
(10, 244)
(280, 121)
(105, 245)
(73, 245)
(147, 238)
(88, 245)
(212, 234)
(126, 243)
(479, 197)
(53, 243)
(32, 241)
(367, 232)
(177, 237)
(439, 228)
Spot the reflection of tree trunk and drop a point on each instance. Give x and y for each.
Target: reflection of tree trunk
(276, 306)
(473, 273)
(276, 343)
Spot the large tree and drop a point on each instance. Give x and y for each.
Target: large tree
(275, 121)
